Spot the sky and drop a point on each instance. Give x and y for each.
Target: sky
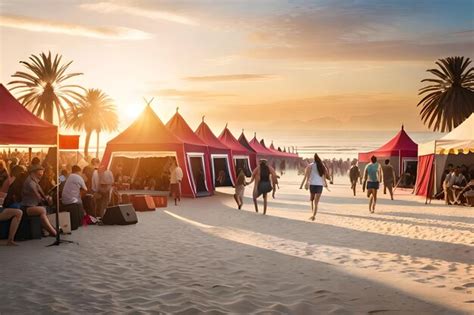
(261, 66)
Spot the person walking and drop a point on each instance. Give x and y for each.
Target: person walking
(372, 178)
(354, 174)
(176, 176)
(388, 178)
(315, 179)
(263, 175)
(240, 188)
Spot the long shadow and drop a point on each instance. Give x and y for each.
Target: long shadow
(429, 216)
(328, 198)
(331, 235)
(402, 221)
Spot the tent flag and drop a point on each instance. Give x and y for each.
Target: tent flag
(69, 142)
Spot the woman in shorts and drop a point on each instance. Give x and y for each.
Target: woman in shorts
(372, 178)
(315, 179)
(263, 175)
(240, 188)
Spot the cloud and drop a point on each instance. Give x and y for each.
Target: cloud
(348, 31)
(154, 14)
(191, 94)
(101, 32)
(231, 77)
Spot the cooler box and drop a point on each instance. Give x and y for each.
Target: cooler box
(143, 203)
(64, 221)
(160, 201)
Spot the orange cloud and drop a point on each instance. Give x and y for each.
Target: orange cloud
(193, 95)
(231, 77)
(103, 32)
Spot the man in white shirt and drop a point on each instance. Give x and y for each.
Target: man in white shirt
(73, 187)
(176, 176)
(102, 184)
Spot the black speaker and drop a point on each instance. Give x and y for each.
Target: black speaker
(120, 215)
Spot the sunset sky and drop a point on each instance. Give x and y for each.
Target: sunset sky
(257, 65)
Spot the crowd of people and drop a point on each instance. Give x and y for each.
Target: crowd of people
(457, 184)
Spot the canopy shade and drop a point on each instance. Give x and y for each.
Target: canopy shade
(19, 126)
(459, 140)
(207, 136)
(401, 146)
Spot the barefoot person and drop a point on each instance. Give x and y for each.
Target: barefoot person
(372, 177)
(263, 175)
(315, 179)
(354, 174)
(12, 203)
(240, 188)
(33, 198)
(388, 178)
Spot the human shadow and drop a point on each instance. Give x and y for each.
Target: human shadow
(324, 234)
(429, 216)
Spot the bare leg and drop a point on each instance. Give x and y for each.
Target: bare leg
(371, 198)
(385, 189)
(264, 204)
(315, 208)
(15, 215)
(41, 212)
(390, 190)
(236, 198)
(255, 204)
(374, 194)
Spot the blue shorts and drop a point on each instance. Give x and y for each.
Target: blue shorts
(373, 185)
(316, 189)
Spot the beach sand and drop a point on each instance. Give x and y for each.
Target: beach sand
(205, 256)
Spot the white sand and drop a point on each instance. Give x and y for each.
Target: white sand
(207, 257)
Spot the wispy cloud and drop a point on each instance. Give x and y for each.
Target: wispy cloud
(101, 32)
(231, 77)
(150, 13)
(191, 94)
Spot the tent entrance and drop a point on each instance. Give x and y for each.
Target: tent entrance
(196, 164)
(242, 164)
(408, 177)
(142, 173)
(221, 172)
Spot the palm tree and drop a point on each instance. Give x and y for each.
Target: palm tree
(94, 112)
(450, 96)
(43, 89)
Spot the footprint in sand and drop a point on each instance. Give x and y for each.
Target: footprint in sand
(469, 285)
(459, 288)
(429, 267)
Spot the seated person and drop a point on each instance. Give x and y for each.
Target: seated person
(461, 196)
(11, 205)
(74, 186)
(34, 199)
(453, 184)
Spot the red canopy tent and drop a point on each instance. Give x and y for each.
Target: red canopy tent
(242, 157)
(18, 126)
(69, 142)
(197, 154)
(260, 149)
(220, 155)
(147, 136)
(244, 142)
(400, 148)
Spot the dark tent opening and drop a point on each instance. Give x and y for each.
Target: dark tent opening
(197, 169)
(221, 172)
(145, 173)
(244, 165)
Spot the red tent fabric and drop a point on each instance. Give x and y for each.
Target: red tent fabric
(69, 142)
(244, 142)
(192, 145)
(399, 146)
(279, 153)
(259, 148)
(20, 126)
(147, 133)
(424, 180)
(216, 148)
(228, 139)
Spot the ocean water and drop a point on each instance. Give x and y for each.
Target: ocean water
(347, 144)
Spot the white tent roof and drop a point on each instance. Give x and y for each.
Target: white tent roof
(459, 140)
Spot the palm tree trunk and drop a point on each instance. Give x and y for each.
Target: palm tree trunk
(86, 145)
(97, 149)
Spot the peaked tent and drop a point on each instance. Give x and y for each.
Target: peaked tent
(242, 157)
(401, 150)
(147, 137)
(18, 126)
(456, 147)
(245, 143)
(261, 151)
(197, 155)
(220, 156)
